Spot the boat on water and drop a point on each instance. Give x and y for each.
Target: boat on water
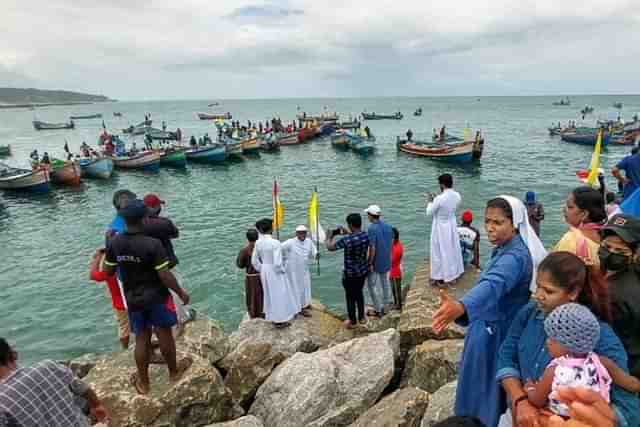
(148, 161)
(617, 105)
(173, 157)
(16, 179)
(117, 114)
(40, 125)
(555, 131)
(583, 137)
(96, 167)
(374, 116)
(353, 124)
(588, 109)
(341, 140)
(214, 153)
(361, 144)
(250, 145)
(209, 116)
(418, 112)
(269, 143)
(159, 134)
(287, 138)
(562, 102)
(5, 150)
(456, 153)
(323, 117)
(306, 134)
(86, 117)
(65, 172)
(213, 104)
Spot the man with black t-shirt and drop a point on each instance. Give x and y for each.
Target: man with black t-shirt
(143, 266)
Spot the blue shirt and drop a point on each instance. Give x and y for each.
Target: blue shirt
(356, 250)
(631, 167)
(381, 238)
(118, 225)
(524, 355)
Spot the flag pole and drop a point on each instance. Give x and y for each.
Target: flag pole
(315, 189)
(275, 207)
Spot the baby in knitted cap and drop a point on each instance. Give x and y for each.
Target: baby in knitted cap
(572, 334)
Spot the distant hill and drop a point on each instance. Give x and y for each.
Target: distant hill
(16, 96)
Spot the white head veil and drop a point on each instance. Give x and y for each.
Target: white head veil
(531, 239)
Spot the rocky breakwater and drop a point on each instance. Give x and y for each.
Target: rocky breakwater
(391, 372)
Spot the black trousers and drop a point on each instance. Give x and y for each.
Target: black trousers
(355, 298)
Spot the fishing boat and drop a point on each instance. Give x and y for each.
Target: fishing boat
(86, 117)
(418, 112)
(159, 134)
(307, 133)
(213, 104)
(555, 131)
(148, 161)
(341, 139)
(562, 102)
(5, 150)
(117, 114)
(325, 129)
(360, 144)
(288, 138)
(588, 109)
(617, 105)
(173, 157)
(323, 117)
(40, 125)
(456, 153)
(233, 148)
(65, 172)
(584, 138)
(100, 167)
(353, 124)
(139, 129)
(209, 116)
(214, 153)
(374, 116)
(269, 142)
(250, 145)
(15, 179)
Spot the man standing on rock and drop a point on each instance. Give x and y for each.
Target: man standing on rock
(252, 285)
(380, 241)
(298, 253)
(144, 269)
(45, 394)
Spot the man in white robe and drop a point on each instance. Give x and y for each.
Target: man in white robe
(280, 304)
(299, 252)
(445, 254)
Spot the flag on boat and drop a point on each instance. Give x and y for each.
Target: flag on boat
(278, 208)
(594, 167)
(317, 233)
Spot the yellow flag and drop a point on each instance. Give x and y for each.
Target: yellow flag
(594, 167)
(317, 233)
(278, 208)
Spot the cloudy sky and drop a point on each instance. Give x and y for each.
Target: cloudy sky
(192, 49)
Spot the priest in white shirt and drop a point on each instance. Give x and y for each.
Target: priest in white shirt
(299, 252)
(445, 253)
(280, 304)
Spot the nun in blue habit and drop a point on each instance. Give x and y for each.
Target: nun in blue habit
(488, 309)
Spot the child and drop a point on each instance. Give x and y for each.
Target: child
(469, 240)
(573, 332)
(395, 275)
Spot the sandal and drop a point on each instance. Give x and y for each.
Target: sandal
(133, 380)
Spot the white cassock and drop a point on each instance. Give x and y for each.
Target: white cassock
(298, 254)
(280, 304)
(446, 255)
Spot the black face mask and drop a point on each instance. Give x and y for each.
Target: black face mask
(613, 262)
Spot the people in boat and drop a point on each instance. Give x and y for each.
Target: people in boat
(435, 134)
(443, 133)
(164, 126)
(367, 131)
(206, 139)
(45, 159)
(409, 135)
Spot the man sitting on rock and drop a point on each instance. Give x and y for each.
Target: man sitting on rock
(45, 394)
(144, 269)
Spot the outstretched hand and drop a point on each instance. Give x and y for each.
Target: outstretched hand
(586, 409)
(449, 311)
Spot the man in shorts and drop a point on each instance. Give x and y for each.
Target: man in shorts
(143, 267)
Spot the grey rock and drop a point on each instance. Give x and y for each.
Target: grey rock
(433, 364)
(331, 387)
(248, 421)
(82, 365)
(441, 405)
(402, 408)
(206, 338)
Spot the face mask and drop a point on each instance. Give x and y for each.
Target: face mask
(613, 262)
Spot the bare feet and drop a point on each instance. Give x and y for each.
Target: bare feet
(141, 389)
(348, 324)
(181, 368)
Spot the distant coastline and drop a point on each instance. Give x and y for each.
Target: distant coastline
(32, 98)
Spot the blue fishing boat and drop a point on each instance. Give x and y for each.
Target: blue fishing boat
(361, 145)
(148, 161)
(101, 167)
(584, 138)
(207, 154)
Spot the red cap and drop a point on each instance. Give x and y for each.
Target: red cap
(467, 216)
(152, 201)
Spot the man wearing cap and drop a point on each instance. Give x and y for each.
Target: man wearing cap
(620, 257)
(535, 211)
(469, 240)
(298, 253)
(380, 241)
(446, 254)
(144, 269)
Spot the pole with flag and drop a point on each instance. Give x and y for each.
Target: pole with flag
(594, 167)
(278, 210)
(317, 233)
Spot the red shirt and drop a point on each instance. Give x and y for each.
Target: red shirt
(397, 250)
(114, 289)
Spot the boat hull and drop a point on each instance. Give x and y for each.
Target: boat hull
(207, 116)
(250, 146)
(458, 153)
(97, 168)
(291, 139)
(68, 173)
(367, 116)
(31, 181)
(38, 125)
(207, 154)
(88, 117)
(147, 161)
(341, 141)
(176, 159)
(584, 138)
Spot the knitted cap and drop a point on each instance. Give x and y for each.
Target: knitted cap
(574, 326)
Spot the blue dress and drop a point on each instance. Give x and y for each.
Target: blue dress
(523, 355)
(490, 307)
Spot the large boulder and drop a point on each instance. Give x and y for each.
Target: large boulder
(206, 338)
(248, 421)
(257, 347)
(198, 398)
(402, 408)
(331, 387)
(433, 364)
(441, 405)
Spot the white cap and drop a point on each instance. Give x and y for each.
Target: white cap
(301, 228)
(374, 210)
